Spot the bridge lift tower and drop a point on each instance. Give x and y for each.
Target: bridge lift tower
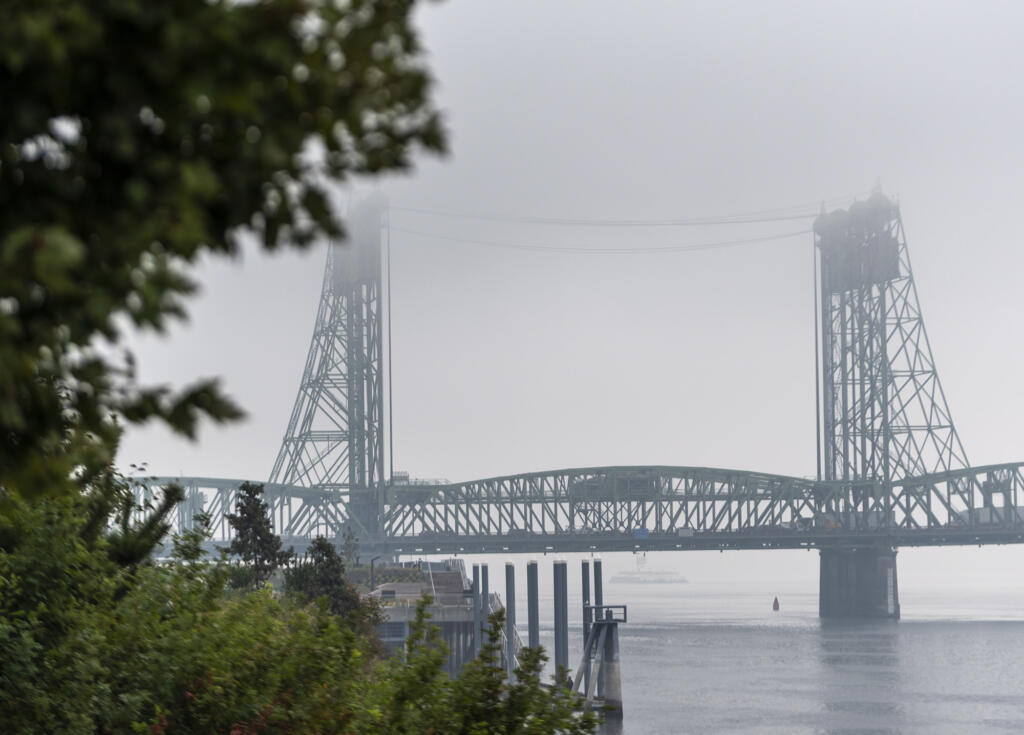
(335, 441)
(883, 416)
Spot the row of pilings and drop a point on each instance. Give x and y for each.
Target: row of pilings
(598, 674)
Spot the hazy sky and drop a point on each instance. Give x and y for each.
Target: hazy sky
(510, 361)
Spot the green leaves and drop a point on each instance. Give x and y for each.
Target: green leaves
(91, 645)
(319, 577)
(415, 696)
(137, 136)
(255, 542)
(50, 255)
(94, 641)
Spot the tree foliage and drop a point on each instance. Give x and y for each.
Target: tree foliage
(255, 542)
(320, 575)
(137, 136)
(414, 695)
(483, 700)
(92, 646)
(54, 588)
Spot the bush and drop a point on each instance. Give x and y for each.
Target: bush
(94, 646)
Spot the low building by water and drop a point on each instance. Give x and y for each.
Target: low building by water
(451, 608)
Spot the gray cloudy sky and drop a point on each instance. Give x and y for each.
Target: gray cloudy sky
(509, 361)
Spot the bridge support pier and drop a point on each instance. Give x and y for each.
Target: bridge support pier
(858, 582)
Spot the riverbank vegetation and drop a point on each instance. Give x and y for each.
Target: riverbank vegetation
(97, 642)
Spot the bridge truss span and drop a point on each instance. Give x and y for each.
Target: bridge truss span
(644, 507)
(685, 502)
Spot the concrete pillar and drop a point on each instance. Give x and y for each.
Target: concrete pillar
(485, 597)
(858, 583)
(611, 672)
(598, 602)
(448, 634)
(561, 617)
(510, 619)
(476, 611)
(585, 575)
(533, 605)
(457, 649)
(465, 647)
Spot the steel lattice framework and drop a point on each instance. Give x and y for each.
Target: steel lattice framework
(335, 437)
(884, 414)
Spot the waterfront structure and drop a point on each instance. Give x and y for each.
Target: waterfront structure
(459, 607)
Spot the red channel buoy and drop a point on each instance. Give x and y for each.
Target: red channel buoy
(775, 605)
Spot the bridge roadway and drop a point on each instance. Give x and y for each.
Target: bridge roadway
(639, 508)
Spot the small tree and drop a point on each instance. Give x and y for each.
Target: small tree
(321, 574)
(482, 699)
(255, 542)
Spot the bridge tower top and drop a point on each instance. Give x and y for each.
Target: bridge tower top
(883, 413)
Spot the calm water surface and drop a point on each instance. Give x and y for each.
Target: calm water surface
(696, 659)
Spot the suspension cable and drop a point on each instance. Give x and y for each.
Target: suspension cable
(594, 250)
(779, 214)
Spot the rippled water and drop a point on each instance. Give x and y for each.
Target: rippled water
(696, 659)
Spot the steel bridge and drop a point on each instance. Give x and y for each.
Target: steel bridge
(891, 468)
(644, 508)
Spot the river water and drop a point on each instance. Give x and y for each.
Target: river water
(707, 657)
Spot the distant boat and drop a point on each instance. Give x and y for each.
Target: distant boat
(642, 577)
(775, 605)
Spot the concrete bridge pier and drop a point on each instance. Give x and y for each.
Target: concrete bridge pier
(858, 582)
